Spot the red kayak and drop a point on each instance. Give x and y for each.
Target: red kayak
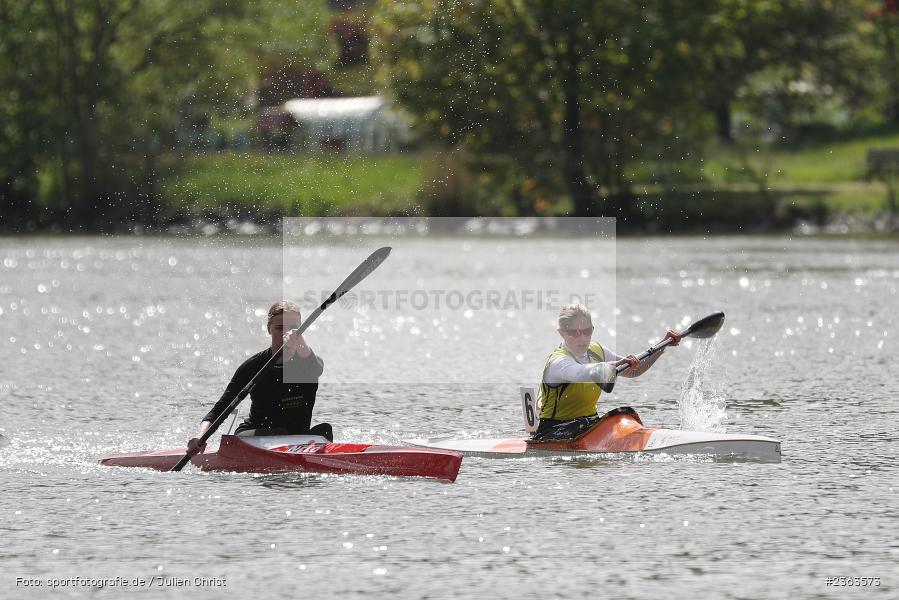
(303, 453)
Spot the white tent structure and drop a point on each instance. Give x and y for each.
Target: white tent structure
(363, 124)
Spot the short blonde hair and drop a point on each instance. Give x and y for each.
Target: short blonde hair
(281, 307)
(570, 312)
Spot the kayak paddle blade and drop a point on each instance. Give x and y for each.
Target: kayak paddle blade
(364, 270)
(706, 327)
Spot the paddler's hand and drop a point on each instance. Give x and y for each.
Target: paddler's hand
(295, 344)
(674, 336)
(630, 360)
(194, 447)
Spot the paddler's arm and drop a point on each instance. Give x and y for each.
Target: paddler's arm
(295, 344)
(565, 369)
(304, 362)
(240, 379)
(637, 368)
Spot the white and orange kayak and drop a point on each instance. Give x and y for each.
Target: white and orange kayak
(620, 430)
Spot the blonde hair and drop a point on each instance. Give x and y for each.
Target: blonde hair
(570, 312)
(281, 307)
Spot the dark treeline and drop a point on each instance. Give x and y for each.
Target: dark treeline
(535, 97)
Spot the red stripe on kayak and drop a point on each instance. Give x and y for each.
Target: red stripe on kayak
(313, 448)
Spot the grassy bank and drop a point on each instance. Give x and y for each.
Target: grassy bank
(832, 172)
(821, 178)
(290, 184)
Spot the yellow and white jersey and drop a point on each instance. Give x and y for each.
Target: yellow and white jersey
(569, 386)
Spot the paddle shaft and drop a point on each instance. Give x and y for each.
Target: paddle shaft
(705, 327)
(362, 271)
(645, 354)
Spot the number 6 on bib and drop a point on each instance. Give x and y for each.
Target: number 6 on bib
(530, 409)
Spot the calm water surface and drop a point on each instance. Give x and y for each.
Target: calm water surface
(122, 344)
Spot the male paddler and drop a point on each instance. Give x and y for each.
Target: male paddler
(284, 396)
(576, 373)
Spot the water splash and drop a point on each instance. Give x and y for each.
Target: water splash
(702, 402)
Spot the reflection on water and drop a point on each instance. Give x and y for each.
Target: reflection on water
(293, 481)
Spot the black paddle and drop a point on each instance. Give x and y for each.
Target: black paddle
(362, 271)
(703, 328)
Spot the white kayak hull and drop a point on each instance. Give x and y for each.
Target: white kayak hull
(621, 431)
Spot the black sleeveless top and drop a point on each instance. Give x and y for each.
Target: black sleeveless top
(275, 404)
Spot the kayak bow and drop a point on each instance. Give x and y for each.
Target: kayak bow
(620, 430)
(303, 453)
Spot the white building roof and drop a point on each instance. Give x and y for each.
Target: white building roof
(329, 109)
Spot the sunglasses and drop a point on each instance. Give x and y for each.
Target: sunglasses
(576, 333)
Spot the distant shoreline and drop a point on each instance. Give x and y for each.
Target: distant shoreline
(809, 188)
(797, 222)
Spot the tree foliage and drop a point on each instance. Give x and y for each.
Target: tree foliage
(562, 97)
(580, 91)
(95, 88)
(574, 94)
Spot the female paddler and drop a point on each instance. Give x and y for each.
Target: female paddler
(576, 373)
(283, 397)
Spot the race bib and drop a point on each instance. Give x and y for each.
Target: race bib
(530, 409)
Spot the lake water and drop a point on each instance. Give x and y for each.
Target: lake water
(121, 344)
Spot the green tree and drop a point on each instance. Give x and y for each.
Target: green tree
(795, 53)
(25, 117)
(95, 88)
(573, 94)
(885, 37)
